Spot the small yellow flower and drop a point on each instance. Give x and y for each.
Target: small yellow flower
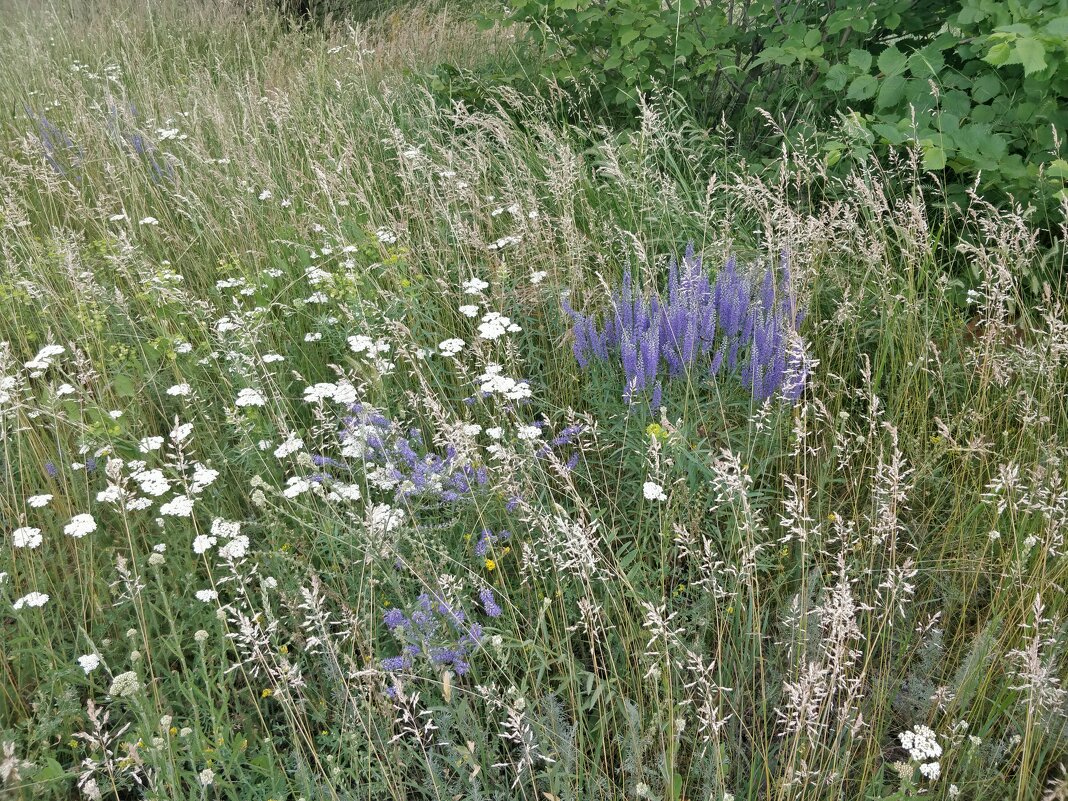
(385, 603)
(491, 565)
(832, 517)
(173, 730)
(284, 650)
(73, 743)
(267, 692)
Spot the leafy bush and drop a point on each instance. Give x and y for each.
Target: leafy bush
(977, 85)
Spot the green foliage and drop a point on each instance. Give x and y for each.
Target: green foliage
(975, 85)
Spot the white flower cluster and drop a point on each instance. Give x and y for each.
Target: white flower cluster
(493, 383)
(922, 744)
(43, 360)
(653, 491)
(249, 397)
(450, 347)
(341, 392)
(495, 325)
(373, 349)
(26, 537)
(79, 526)
(31, 599)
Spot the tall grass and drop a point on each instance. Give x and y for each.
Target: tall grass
(252, 244)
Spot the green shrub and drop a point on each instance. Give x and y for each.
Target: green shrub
(977, 85)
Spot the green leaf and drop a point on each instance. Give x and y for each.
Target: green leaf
(999, 54)
(1057, 27)
(50, 771)
(891, 90)
(676, 787)
(934, 158)
(1031, 53)
(985, 87)
(1058, 169)
(861, 59)
(628, 36)
(836, 79)
(124, 386)
(892, 61)
(891, 133)
(862, 88)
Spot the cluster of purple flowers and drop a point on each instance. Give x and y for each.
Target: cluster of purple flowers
(564, 439)
(124, 129)
(737, 324)
(60, 152)
(401, 460)
(437, 633)
(488, 538)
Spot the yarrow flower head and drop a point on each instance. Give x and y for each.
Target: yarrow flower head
(79, 526)
(653, 491)
(31, 599)
(26, 537)
(249, 397)
(921, 743)
(89, 662)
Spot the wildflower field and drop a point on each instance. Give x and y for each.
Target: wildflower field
(360, 442)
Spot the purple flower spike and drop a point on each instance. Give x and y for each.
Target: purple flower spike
(747, 326)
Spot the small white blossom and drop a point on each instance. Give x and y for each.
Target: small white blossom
(149, 444)
(202, 543)
(89, 662)
(653, 491)
(31, 599)
(79, 526)
(26, 537)
(179, 506)
(474, 286)
(249, 397)
(450, 347)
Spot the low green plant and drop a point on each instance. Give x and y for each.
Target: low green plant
(978, 85)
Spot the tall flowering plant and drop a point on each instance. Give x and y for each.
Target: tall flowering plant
(739, 324)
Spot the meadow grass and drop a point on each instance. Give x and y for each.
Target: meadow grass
(306, 495)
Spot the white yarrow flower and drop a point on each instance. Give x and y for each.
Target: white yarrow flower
(26, 537)
(79, 526)
(653, 491)
(31, 599)
(249, 397)
(89, 662)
